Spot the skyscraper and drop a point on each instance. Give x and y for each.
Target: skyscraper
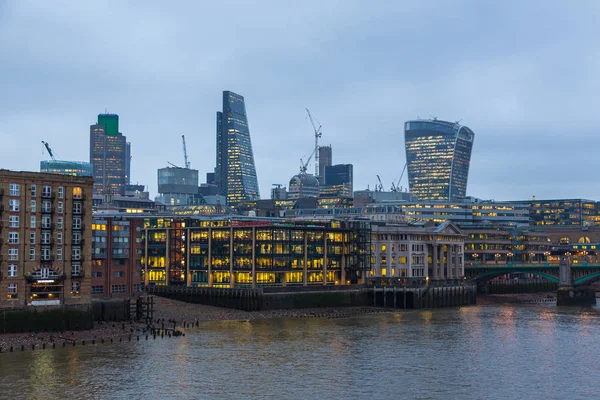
(235, 173)
(108, 155)
(438, 154)
(325, 160)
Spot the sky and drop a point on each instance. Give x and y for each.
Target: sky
(523, 75)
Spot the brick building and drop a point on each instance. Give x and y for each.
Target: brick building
(45, 252)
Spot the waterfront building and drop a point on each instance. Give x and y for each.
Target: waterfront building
(109, 155)
(45, 239)
(325, 160)
(416, 255)
(364, 197)
(303, 185)
(127, 204)
(117, 251)
(438, 155)
(561, 212)
(178, 186)
(74, 168)
(254, 252)
(235, 173)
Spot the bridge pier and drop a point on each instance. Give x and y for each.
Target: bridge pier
(579, 296)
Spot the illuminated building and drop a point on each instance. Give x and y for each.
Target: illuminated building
(438, 154)
(178, 186)
(254, 252)
(109, 153)
(338, 181)
(415, 255)
(325, 160)
(117, 251)
(561, 212)
(45, 243)
(303, 185)
(74, 168)
(235, 174)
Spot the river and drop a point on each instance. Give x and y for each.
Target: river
(481, 352)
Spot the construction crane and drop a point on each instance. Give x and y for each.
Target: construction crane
(318, 134)
(49, 150)
(396, 186)
(185, 156)
(379, 188)
(304, 165)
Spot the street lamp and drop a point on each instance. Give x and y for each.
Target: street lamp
(475, 256)
(497, 257)
(531, 257)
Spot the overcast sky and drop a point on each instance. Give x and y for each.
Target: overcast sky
(523, 75)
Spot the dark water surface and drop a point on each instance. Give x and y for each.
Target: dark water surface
(496, 352)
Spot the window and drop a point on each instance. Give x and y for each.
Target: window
(13, 237)
(13, 205)
(59, 253)
(32, 222)
(60, 206)
(12, 290)
(76, 222)
(59, 238)
(46, 206)
(77, 193)
(45, 253)
(76, 253)
(33, 190)
(15, 188)
(46, 191)
(59, 222)
(137, 287)
(119, 274)
(12, 270)
(77, 208)
(32, 253)
(13, 254)
(33, 206)
(75, 288)
(31, 237)
(119, 288)
(13, 221)
(76, 269)
(45, 237)
(61, 192)
(97, 289)
(46, 222)
(97, 274)
(76, 239)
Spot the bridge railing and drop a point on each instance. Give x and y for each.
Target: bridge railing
(528, 265)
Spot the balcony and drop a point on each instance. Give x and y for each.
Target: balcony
(47, 210)
(77, 274)
(46, 259)
(79, 242)
(48, 226)
(47, 242)
(80, 227)
(36, 277)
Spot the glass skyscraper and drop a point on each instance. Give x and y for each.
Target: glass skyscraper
(109, 153)
(235, 173)
(438, 155)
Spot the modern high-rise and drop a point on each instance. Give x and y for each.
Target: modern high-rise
(235, 173)
(325, 160)
(109, 155)
(438, 155)
(338, 181)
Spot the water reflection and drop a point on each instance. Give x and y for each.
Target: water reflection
(471, 352)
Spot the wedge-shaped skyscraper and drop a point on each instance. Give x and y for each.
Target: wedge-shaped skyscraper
(438, 155)
(235, 173)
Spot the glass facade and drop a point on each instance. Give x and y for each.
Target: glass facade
(235, 172)
(562, 212)
(224, 253)
(74, 168)
(438, 155)
(109, 156)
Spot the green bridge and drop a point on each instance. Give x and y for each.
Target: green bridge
(583, 274)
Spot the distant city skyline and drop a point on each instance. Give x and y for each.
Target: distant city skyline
(525, 87)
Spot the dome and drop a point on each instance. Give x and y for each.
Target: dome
(303, 185)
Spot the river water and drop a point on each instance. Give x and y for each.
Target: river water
(482, 352)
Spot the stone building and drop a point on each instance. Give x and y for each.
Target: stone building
(45, 252)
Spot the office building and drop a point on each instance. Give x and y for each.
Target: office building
(117, 251)
(438, 155)
(178, 186)
(254, 252)
(302, 186)
(73, 168)
(338, 181)
(235, 174)
(325, 160)
(561, 212)
(109, 155)
(45, 246)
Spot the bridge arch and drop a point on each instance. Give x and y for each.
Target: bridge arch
(591, 278)
(488, 275)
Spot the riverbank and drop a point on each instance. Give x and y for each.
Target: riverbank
(523, 298)
(167, 311)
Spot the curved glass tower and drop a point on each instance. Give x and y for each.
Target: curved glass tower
(438, 155)
(235, 173)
